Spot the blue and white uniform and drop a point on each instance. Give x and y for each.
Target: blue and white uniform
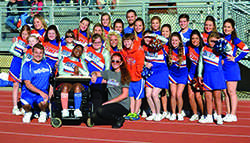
(38, 74)
(186, 36)
(231, 69)
(178, 72)
(159, 78)
(193, 54)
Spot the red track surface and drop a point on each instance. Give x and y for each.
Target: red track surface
(12, 130)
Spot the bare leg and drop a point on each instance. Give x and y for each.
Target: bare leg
(150, 99)
(208, 96)
(217, 97)
(15, 93)
(157, 103)
(132, 104)
(164, 100)
(180, 88)
(231, 86)
(227, 101)
(192, 99)
(173, 88)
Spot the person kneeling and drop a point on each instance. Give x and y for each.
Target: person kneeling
(72, 66)
(117, 79)
(35, 75)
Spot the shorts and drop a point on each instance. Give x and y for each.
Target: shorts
(136, 89)
(31, 99)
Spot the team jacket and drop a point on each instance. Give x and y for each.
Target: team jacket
(18, 47)
(81, 36)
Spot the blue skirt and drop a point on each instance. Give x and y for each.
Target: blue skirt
(214, 80)
(231, 71)
(178, 75)
(15, 69)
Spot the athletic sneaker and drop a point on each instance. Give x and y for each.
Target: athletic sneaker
(65, 113)
(234, 118)
(194, 117)
(27, 117)
(144, 114)
(208, 119)
(16, 111)
(219, 120)
(183, 113)
(135, 117)
(180, 117)
(227, 118)
(128, 117)
(77, 113)
(158, 117)
(166, 115)
(43, 117)
(215, 116)
(90, 122)
(172, 117)
(151, 117)
(202, 118)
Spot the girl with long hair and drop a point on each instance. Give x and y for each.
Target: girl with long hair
(82, 33)
(139, 29)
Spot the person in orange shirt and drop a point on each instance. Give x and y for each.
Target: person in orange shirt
(134, 56)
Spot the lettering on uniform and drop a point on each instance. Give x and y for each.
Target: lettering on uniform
(41, 70)
(93, 57)
(113, 82)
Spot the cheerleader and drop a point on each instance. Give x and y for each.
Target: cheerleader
(98, 29)
(72, 66)
(178, 73)
(156, 25)
(119, 26)
(185, 30)
(82, 33)
(106, 23)
(113, 42)
(52, 43)
(66, 48)
(98, 59)
(165, 32)
(213, 77)
(231, 68)
(18, 49)
(155, 61)
(139, 28)
(196, 44)
(40, 27)
(33, 40)
(209, 26)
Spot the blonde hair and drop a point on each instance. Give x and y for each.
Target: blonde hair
(107, 41)
(41, 19)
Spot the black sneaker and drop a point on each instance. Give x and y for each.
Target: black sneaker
(118, 123)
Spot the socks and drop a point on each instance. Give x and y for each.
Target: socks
(64, 100)
(77, 100)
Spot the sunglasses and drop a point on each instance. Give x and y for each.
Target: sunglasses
(69, 37)
(114, 61)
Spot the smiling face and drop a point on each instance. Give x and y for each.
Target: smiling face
(228, 28)
(38, 24)
(209, 26)
(77, 52)
(118, 27)
(147, 40)
(84, 25)
(52, 34)
(97, 44)
(69, 38)
(98, 30)
(138, 26)
(131, 18)
(37, 55)
(32, 41)
(128, 44)
(165, 32)
(105, 20)
(212, 41)
(195, 40)
(155, 25)
(175, 41)
(183, 23)
(116, 63)
(25, 35)
(113, 41)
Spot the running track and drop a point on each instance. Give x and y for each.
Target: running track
(12, 130)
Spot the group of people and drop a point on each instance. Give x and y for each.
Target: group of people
(127, 65)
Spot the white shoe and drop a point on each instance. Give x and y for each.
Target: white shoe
(27, 117)
(215, 116)
(183, 113)
(151, 117)
(166, 115)
(180, 117)
(65, 113)
(208, 119)
(144, 114)
(172, 117)
(158, 117)
(78, 113)
(219, 120)
(16, 111)
(234, 118)
(227, 118)
(43, 117)
(194, 117)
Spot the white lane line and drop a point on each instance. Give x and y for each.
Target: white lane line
(67, 137)
(137, 130)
